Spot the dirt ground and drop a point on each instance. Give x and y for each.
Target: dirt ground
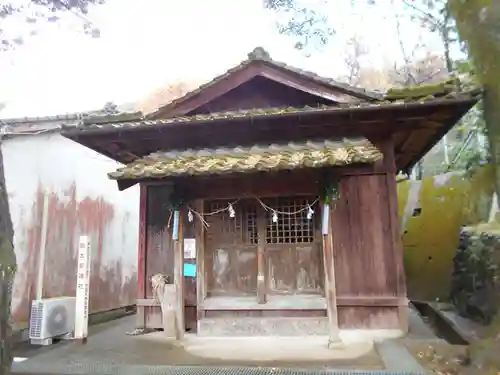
(109, 343)
(445, 359)
(171, 355)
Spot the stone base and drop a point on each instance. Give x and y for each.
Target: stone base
(169, 326)
(336, 343)
(315, 326)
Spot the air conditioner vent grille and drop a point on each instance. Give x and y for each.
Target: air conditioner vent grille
(36, 319)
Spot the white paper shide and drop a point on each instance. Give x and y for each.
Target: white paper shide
(189, 248)
(82, 288)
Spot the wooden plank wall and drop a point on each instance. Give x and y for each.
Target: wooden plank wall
(371, 291)
(159, 256)
(369, 272)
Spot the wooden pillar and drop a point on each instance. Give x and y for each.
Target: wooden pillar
(397, 251)
(395, 232)
(179, 277)
(261, 261)
(329, 268)
(141, 259)
(200, 264)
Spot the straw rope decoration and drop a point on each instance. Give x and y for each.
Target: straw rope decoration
(230, 209)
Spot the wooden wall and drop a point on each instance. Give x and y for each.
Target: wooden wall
(290, 249)
(370, 283)
(156, 255)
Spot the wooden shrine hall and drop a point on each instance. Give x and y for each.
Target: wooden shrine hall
(278, 187)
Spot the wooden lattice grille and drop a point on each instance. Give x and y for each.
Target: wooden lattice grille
(238, 230)
(291, 227)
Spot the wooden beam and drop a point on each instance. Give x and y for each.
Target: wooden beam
(215, 89)
(261, 263)
(147, 302)
(311, 87)
(371, 301)
(141, 255)
(201, 292)
(330, 287)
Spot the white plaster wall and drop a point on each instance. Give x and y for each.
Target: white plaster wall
(54, 164)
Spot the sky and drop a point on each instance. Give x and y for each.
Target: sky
(146, 44)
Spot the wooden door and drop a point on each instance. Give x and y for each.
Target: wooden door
(292, 249)
(231, 249)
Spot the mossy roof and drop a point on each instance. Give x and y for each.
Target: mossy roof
(420, 94)
(258, 158)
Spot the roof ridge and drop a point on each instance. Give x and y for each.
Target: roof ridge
(260, 54)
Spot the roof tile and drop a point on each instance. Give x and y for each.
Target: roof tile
(250, 159)
(263, 112)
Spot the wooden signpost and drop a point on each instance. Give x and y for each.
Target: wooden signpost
(82, 290)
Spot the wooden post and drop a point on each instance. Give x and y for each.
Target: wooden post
(200, 264)
(141, 256)
(396, 235)
(261, 262)
(397, 250)
(179, 273)
(329, 267)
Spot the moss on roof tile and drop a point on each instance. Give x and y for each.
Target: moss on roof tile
(253, 159)
(396, 98)
(424, 90)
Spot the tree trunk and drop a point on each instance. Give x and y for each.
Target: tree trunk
(478, 23)
(7, 272)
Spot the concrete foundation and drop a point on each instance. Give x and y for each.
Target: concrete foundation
(245, 326)
(287, 327)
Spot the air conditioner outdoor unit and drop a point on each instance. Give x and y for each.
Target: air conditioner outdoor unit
(51, 318)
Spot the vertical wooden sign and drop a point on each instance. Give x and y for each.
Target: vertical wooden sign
(82, 289)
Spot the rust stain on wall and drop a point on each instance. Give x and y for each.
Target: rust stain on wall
(67, 219)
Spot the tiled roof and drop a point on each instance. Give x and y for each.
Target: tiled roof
(261, 55)
(253, 159)
(394, 98)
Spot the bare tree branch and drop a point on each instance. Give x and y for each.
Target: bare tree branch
(429, 16)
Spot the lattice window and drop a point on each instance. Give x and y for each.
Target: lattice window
(295, 228)
(251, 229)
(242, 229)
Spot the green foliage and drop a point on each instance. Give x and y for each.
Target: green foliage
(475, 272)
(470, 155)
(330, 192)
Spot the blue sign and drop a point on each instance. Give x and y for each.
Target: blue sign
(189, 270)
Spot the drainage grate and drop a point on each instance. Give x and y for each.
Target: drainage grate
(121, 369)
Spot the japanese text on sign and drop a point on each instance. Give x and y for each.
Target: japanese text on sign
(82, 288)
